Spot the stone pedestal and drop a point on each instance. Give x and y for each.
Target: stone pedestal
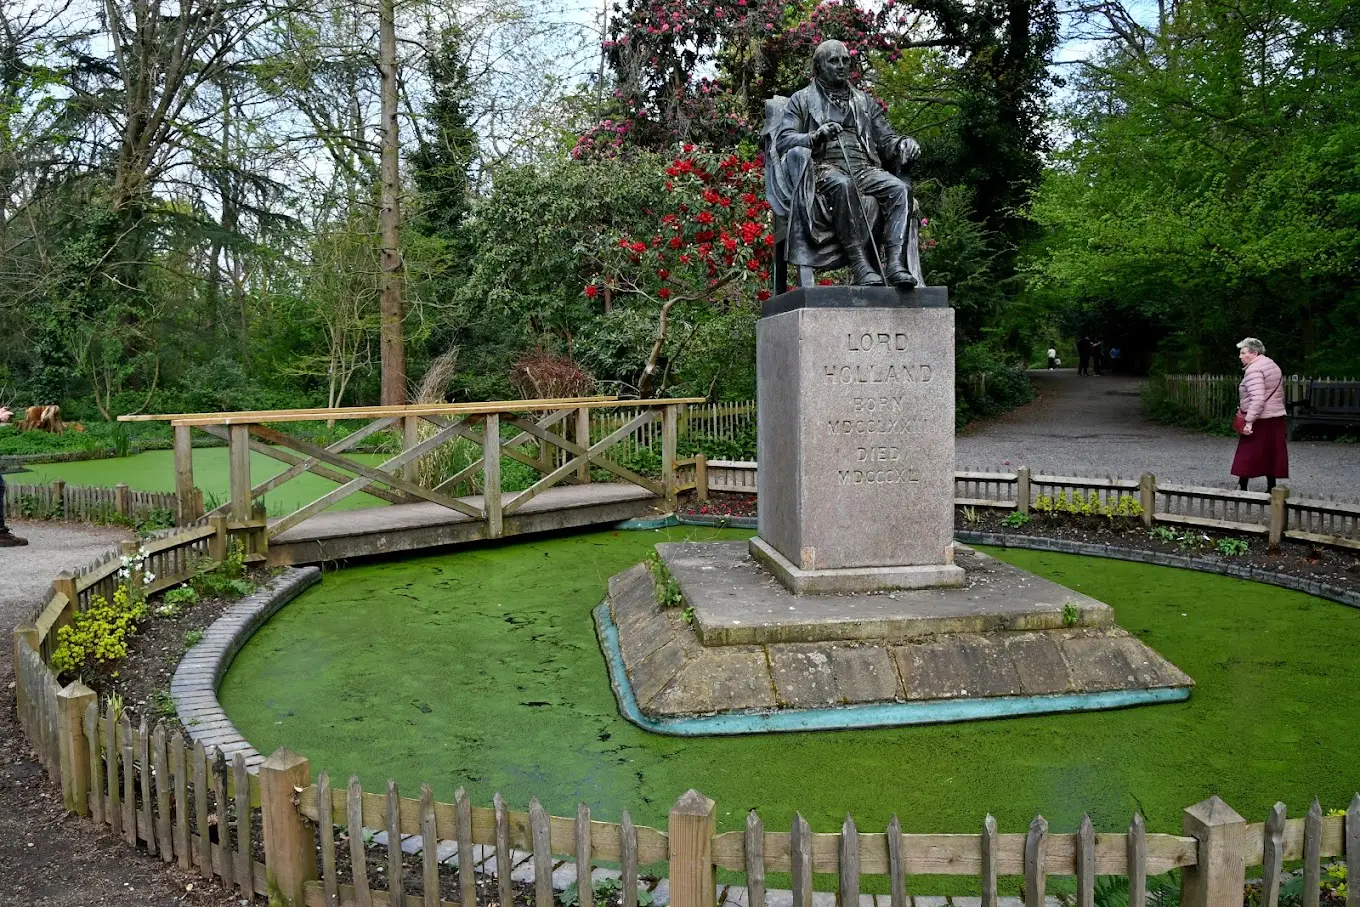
(856, 439)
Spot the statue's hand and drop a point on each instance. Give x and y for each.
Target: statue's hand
(827, 131)
(908, 151)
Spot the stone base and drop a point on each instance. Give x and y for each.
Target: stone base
(667, 680)
(851, 580)
(736, 602)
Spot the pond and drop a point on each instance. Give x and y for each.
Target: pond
(480, 669)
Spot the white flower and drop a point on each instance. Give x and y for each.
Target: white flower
(148, 577)
(126, 560)
(124, 573)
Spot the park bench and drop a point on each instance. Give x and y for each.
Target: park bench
(1327, 403)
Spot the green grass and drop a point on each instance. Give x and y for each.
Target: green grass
(155, 471)
(481, 669)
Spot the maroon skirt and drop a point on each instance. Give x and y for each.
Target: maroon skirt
(1262, 453)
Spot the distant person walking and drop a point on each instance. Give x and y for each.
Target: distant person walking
(1052, 357)
(1260, 420)
(1097, 354)
(1084, 356)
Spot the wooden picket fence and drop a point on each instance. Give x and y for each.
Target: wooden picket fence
(723, 421)
(90, 504)
(202, 807)
(1215, 396)
(1275, 515)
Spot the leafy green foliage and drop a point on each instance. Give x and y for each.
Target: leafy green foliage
(1070, 614)
(192, 638)
(97, 636)
(1210, 191)
(1016, 519)
(1232, 547)
(1075, 503)
(225, 580)
(667, 590)
(1162, 534)
(607, 891)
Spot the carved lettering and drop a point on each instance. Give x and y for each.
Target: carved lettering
(879, 340)
(876, 404)
(876, 374)
(877, 476)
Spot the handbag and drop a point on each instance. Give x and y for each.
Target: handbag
(1240, 420)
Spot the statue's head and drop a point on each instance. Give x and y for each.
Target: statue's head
(831, 63)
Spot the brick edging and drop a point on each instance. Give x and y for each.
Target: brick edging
(194, 686)
(1162, 559)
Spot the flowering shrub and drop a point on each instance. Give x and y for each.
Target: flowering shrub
(712, 242)
(98, 635)
(756, 48)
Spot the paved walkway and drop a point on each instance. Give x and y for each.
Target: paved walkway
(1089, 426)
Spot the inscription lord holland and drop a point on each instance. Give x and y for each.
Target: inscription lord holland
(878, 465)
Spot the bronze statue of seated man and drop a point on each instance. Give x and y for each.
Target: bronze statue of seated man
(826, 178)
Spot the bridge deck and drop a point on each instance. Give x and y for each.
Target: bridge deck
(335, 535)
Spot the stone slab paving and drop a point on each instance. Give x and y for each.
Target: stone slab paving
(1089, 426)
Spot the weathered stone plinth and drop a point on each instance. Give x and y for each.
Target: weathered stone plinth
(856, 438)
(757, 658)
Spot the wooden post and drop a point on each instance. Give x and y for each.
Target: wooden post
(185, 493)
(65, 584)
(238, 456)
(120, 500)
(198, 503)
(72, 702)
(289, 860)
(1022, 476)
(25, 635)
(701, 477)
(669, 419)
(693, 822)
(583, 439)
(1218, 877)
(1279, 515)
(410, 437)
(217, 542)
(259, 534)
(491, 474)
(1147, 497)
(59, 497)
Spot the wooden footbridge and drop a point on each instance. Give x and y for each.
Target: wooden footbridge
(429, 508)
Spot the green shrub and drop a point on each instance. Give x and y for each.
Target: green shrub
(98, 635)
(225, 580)
(1232, 547)
(1016, 519)
(666, 589)
(1090, 504)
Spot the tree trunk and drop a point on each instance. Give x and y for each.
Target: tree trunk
(392, 346)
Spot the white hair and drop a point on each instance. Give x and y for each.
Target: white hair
(1252, 344)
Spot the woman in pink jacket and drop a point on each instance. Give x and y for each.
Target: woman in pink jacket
(1260, 448)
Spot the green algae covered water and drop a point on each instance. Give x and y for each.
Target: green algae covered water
(480, 669)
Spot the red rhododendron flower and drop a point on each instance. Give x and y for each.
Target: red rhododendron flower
(763, 295)
(592, 291)
(664, 292)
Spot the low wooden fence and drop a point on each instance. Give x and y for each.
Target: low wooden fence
(91, 504)
(202, 809)
(1215, 396)
(1274, 515)
(698, 422)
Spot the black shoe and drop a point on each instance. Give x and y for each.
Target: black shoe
(863, 274)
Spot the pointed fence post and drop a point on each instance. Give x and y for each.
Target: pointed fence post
(1022, 477)
(120, 500)
(1219, 875)
(1147, 497)
(289, 860)
(72, 701)
(701, 477)
(693, 822)
(24, 635)
(1279, 514)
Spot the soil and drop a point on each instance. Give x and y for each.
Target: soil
(1321, 563)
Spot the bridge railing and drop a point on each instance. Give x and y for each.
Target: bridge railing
(551, 436)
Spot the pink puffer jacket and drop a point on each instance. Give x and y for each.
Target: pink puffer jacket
(1261, 393)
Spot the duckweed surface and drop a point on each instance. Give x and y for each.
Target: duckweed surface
(480, 669)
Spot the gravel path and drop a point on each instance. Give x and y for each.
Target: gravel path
(1089, 426)
(49, 859)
